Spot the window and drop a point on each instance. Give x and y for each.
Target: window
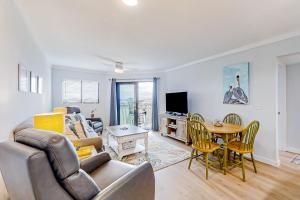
(90, 92)
(78, 91)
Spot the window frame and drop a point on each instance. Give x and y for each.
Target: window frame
(98, 93)
(81, 92)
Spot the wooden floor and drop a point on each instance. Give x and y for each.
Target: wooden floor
(178, 183)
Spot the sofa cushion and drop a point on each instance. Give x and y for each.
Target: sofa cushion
(59, 149)
(97, 124)
(109, 172)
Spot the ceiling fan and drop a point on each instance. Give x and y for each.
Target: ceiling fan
(118, 65)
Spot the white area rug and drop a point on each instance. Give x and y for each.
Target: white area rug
(161, 154)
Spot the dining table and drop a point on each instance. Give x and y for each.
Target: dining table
(224, 131)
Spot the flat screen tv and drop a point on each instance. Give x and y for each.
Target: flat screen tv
(177, 102)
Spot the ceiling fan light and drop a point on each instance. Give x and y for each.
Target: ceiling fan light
(119, 68)
(119, 71)
(130, 2)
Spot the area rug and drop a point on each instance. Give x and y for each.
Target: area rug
(296, 160)
(161, 154)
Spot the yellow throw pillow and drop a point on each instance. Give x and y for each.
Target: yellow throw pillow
(79, 130)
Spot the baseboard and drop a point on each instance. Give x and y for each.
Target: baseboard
(265, 160)
(292, 149)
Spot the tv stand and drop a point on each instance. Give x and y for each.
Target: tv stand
(174, 127)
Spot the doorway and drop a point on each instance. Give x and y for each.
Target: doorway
(134, 103)
(288, 106)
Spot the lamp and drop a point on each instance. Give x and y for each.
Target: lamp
(119, 68)
(50, 122)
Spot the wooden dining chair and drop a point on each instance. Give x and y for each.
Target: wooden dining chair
(233, 118)
(201, 142)
(197, 117)
(194, 117)
(245, 145)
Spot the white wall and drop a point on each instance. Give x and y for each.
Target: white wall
(204, 83)
(17, 46)
(293, 108)
(103, 108)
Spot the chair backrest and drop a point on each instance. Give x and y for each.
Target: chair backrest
(197, 117)
(45, 159)
(249, 135)
(233, 118)
(199, 134)
(27, 173)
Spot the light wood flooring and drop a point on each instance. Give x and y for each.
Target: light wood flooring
(178, 183)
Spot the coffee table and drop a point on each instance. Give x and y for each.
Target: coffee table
(123, 139)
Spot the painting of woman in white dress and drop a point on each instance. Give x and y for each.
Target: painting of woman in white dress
(236, 84)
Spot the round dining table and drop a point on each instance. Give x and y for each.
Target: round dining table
(224, 131)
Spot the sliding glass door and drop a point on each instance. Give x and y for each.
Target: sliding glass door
(135, 103)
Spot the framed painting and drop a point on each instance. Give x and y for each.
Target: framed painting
(40, 85)
(23, 78)
(236, 84)
(33, 83)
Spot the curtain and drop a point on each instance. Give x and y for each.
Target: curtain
(113, 104)
(154, 106)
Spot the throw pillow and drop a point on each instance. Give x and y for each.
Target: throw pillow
(79, 130)
(70, 134)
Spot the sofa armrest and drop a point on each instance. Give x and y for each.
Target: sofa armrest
(135, 185)
(93, 141)
(93, 162)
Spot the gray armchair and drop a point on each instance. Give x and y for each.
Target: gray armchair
(42, 165)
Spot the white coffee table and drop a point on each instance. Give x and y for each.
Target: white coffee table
(118, 136)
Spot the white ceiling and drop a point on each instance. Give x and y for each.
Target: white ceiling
(155, 35)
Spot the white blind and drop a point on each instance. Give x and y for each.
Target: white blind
(72, 91)
(90, 91)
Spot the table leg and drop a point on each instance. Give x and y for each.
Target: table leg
(120, 150)
(225, 153)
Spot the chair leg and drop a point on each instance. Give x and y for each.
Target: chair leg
(206, 165)
(234, 155)
(192, 155)
(253, 161)
(243, 166)
(219, 159)
(229, 152)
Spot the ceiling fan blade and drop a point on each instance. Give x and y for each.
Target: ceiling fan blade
(106, 59)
